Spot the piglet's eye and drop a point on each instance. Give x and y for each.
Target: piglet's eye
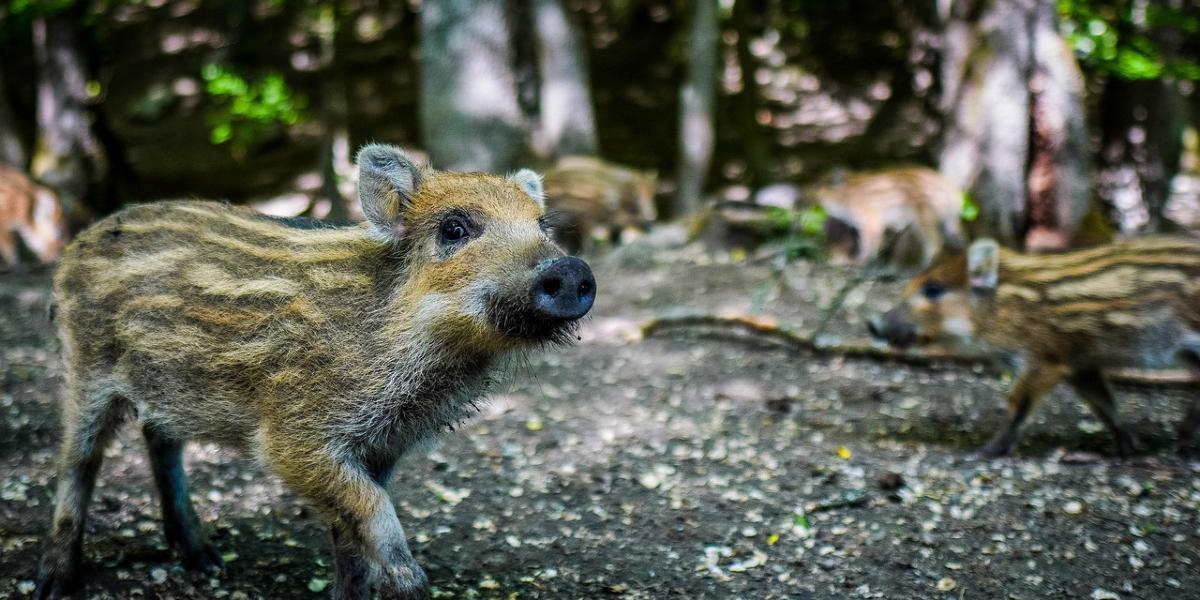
(453, 231)
(933, 290)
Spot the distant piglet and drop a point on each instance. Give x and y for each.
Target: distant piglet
(325, 352)
(1067, 316)
(31, 211)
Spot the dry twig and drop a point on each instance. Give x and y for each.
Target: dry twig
(768, 329)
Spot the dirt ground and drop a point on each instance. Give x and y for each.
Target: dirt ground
(686, 465)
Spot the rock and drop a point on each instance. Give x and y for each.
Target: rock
(890, 481)
(780, 195)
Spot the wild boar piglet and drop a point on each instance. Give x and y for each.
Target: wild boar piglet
(325, 352)
(1067, 316)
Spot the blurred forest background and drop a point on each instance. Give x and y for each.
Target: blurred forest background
(1056, 117)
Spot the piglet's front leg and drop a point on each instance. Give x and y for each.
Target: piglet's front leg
(363, 522)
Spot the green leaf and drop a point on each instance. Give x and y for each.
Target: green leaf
(1133, 64)
(244, 110)
(812, 220)
(221, 133)
(970, 210)
(801, 520)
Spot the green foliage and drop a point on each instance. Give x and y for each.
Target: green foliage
(803, 231)
(801, 520)
(1113, 37)
(812, 220)
(39, 8)
(245, 111)
(970, 210)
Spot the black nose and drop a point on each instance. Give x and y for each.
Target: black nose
(875, 326)
(896, 332)
(565, 289)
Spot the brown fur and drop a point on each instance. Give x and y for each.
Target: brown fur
(31, 211)
(325, 352)
(875, 204)
(1069, 316)
(599, 200)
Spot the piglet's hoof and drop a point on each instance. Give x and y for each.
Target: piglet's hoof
(53, 585)
(202, 557)
(1126, 445)
(406, 582)
(997, 448)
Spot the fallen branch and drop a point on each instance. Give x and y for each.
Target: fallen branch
(768, 329)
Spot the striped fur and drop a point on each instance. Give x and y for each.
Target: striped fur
(1133, 303)
(31, 211)
(868, 206)
(599, 200)
(326, 352)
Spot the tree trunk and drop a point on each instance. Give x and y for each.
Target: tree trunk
(471, 118)
(565, 124)
(335, 161)
(1059, 194)
(12, 150)
(1141, 142)
(697, 103)
(68, 156)
(985, 73)
(756, 141)
(1142, 134)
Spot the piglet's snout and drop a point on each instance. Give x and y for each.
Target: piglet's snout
(875, 326)
(895, 331)
(564, 290)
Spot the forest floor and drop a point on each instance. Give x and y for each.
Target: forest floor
(687, 464)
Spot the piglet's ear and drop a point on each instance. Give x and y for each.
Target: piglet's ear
(983, 265)
(530, 183)
(387, 182)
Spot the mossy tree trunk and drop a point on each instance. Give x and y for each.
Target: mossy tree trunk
(471, 118)
(566, 123)
(1059, 178)
(985, 72)
(68, 156)
(756, 140)
(697, 109)
(1141, 143)
(336, 164)
(1015, 137)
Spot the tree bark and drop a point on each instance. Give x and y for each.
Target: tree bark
(986, 67)
(697, 101)
(12, 150)
(336, 163)
(471, 118)
(68, 156)
(756, 141)
(1141, 143)
(566, 124)
(1059, 191)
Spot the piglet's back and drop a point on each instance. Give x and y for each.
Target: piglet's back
(1131, 302)
(185, 304)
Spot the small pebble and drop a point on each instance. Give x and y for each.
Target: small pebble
(890, 481)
